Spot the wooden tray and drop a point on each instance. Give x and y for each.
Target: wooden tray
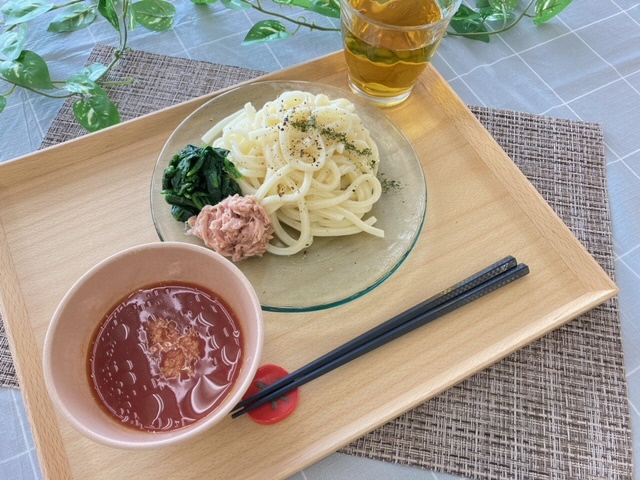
(65, 208)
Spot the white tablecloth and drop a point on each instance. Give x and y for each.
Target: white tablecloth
(584, 65)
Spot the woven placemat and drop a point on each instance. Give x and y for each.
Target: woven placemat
(8, 376)
(555, 409)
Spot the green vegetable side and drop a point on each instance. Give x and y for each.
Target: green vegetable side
(198, 176)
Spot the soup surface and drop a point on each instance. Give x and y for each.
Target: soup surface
(165, 356)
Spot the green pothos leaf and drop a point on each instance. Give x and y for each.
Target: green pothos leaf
(203, 2)
(156, 15)
(266, 31)
(130, 19)
(547, 9)
(12, 42)
(82, 84)
(491, 15)
(3, 102)
(470, 23)
(20, 11)
(73, 18)
(28, 70)
(497, 10)
(107, 9)
(96, 112)
(504, 4)
(295, 3)
(93, 71)
(235, 4)
(328, 8)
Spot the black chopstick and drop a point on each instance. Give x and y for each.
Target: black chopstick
(476, 286)
(474, 280)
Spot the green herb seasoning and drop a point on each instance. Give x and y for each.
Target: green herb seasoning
(305, 125)
(389, 185)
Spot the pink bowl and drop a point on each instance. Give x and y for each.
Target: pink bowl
(83, 307)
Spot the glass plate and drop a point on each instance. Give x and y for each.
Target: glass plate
(331, 271)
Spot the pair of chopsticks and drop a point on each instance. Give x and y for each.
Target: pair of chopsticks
(485, 281)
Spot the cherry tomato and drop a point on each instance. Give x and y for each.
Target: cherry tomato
(280, 408)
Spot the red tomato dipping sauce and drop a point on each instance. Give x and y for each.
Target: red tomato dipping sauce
(165, 356)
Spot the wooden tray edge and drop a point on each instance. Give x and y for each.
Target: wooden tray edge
(40, 410)
(532, 203)
(49, 433)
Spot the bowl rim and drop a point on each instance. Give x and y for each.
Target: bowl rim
(153, 439)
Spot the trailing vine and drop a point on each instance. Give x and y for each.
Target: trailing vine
(21, 67)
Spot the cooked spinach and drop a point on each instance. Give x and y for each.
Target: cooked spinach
(198, 176)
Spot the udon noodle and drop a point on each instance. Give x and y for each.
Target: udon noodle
(309, 162)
